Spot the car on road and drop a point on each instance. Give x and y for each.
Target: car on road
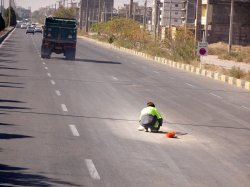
(30, 30)
(23, 26)
(38, 29)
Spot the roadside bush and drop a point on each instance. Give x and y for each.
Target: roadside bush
(181, 46)
(236, 72)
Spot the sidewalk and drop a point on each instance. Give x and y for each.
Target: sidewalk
(227, 64)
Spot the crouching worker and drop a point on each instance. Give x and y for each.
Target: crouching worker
(150, 118)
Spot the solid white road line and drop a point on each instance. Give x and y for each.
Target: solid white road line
(190, 85)
(245, 107)
(64, 108)
(92, 170)
(53, 82)
(74, 130)
(49, 74)
(58, 93)
(215, 95)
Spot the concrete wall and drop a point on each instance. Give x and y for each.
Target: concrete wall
(221, 19)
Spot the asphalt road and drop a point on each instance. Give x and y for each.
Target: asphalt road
(74, 123)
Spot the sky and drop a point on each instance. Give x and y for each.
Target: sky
(36, 4)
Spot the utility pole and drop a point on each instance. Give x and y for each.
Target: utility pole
(155, 18)
(99, 11)
(170, 20)
(87, 17)
(131, 9)
(145, 14)
(206, 27)
(198, 22)
(231, 27)
(9, 11)
(81, 14)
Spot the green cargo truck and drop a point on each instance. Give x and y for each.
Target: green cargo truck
(59, 36)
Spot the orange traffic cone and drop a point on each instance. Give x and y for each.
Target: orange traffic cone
(170, 134)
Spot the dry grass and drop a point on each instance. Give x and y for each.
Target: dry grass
(238, 53)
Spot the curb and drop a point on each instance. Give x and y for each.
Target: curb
(186, 67)
(2, 38)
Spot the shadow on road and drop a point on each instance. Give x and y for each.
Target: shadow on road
(7, 136)
(19, 176)
(10, 101)
(9, 68)
(96, 61)
(88, 60)
(13, 107)
(5, 124)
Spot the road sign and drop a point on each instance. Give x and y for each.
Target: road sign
(202, 49)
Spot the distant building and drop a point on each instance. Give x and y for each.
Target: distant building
(97, 11)
(219, 21)
(138, 13)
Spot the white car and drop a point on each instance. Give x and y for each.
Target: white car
(38, 29)
(30, 30)
(23, 26)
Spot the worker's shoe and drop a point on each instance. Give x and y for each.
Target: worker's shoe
(140, 128)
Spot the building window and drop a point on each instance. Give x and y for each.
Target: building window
(176, 13)
(175, 20)
(176, 5)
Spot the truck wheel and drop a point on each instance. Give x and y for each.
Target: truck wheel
(70, 54)
(45, 53)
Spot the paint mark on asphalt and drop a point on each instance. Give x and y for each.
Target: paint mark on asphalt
(171, 78)
(46, 67)
(156, 71)
(58, 93)
(245, 107)
(190, 85)
(74, 130)
(92, 170)
(53, 82)
(43, 63)
(215, 95)
(115, 78)
(49, 74)
(64, 108)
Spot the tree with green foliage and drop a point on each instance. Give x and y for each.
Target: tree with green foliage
(63, 12)
(13, 17)
(123, 31)
(2, 23)
(181, 46)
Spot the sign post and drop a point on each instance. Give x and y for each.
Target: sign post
(202, 50)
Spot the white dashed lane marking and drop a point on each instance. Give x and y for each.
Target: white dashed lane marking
(53, 82)
(156, 72)
(190, 85)
(92, 170)
(114, 78)
(215, 95)
(49, 74)
(58, 93)
(64, 108)
(245, 107)
(74, 130)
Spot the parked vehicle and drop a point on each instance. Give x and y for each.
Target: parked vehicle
(59, 36)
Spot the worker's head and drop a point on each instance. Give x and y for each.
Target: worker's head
(151, 104)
